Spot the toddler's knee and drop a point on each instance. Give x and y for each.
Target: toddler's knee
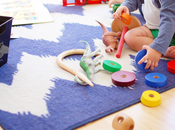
(128, 37)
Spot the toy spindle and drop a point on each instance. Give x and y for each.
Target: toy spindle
(119, 50)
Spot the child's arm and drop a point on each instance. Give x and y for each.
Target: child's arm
(166, 26)
(126, 7)
(132, 4)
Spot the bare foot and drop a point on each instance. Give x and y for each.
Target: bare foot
(170, 52)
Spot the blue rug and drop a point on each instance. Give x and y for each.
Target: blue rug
(36, 94)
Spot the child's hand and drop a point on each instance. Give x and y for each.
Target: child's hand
(152, 57)
(119, 11)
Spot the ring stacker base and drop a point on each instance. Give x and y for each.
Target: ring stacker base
(117, 25)
(126, 23)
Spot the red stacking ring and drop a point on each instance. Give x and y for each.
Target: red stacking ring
(171, 66)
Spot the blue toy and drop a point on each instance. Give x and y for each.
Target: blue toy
(155, 79)
(138, 57)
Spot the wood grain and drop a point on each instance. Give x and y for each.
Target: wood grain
(145, 118)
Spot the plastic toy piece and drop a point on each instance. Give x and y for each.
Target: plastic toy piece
(109, 39)
(155, 79)
(171, 66)
(82, 2)
(123, 78)
(70, 69)
(151, 98)
(88, 64)
(111, 66)
(138, 57)
(117, 25)
(115, 7)
(122, 122)
(126, 19)
(77, 2)
(120, 46)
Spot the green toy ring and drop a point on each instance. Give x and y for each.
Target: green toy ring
(111, 66)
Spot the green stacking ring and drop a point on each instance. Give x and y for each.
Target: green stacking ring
(111, 66)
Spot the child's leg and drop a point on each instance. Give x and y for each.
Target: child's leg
(137, 37)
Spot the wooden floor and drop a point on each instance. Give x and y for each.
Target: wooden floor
(145, 118)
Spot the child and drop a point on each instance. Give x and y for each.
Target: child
(157, 35)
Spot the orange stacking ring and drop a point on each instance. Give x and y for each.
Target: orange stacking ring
(125, 18)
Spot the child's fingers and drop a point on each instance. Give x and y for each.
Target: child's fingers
(148, 64)
(142, 60)
(152, 66)
(114, 16)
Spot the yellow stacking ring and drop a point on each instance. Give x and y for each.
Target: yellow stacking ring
(151, 98)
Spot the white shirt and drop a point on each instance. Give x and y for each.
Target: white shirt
(151, 14)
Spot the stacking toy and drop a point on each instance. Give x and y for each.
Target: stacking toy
(138, 57)
(125, 18)
(123, 78)
(151, 98)
(155, 79)
(122, 122)
(111, 66)
(118, 25)
(121, 43)
(171, 66)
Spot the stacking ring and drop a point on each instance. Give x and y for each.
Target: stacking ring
(155, 79)
(150, 98)
(123, 78)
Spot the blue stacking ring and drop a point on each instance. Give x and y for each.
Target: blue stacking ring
(138, 57)
(155, 79)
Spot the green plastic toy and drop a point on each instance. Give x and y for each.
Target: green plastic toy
(115, 7)
(88, 64)
(111, 66)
